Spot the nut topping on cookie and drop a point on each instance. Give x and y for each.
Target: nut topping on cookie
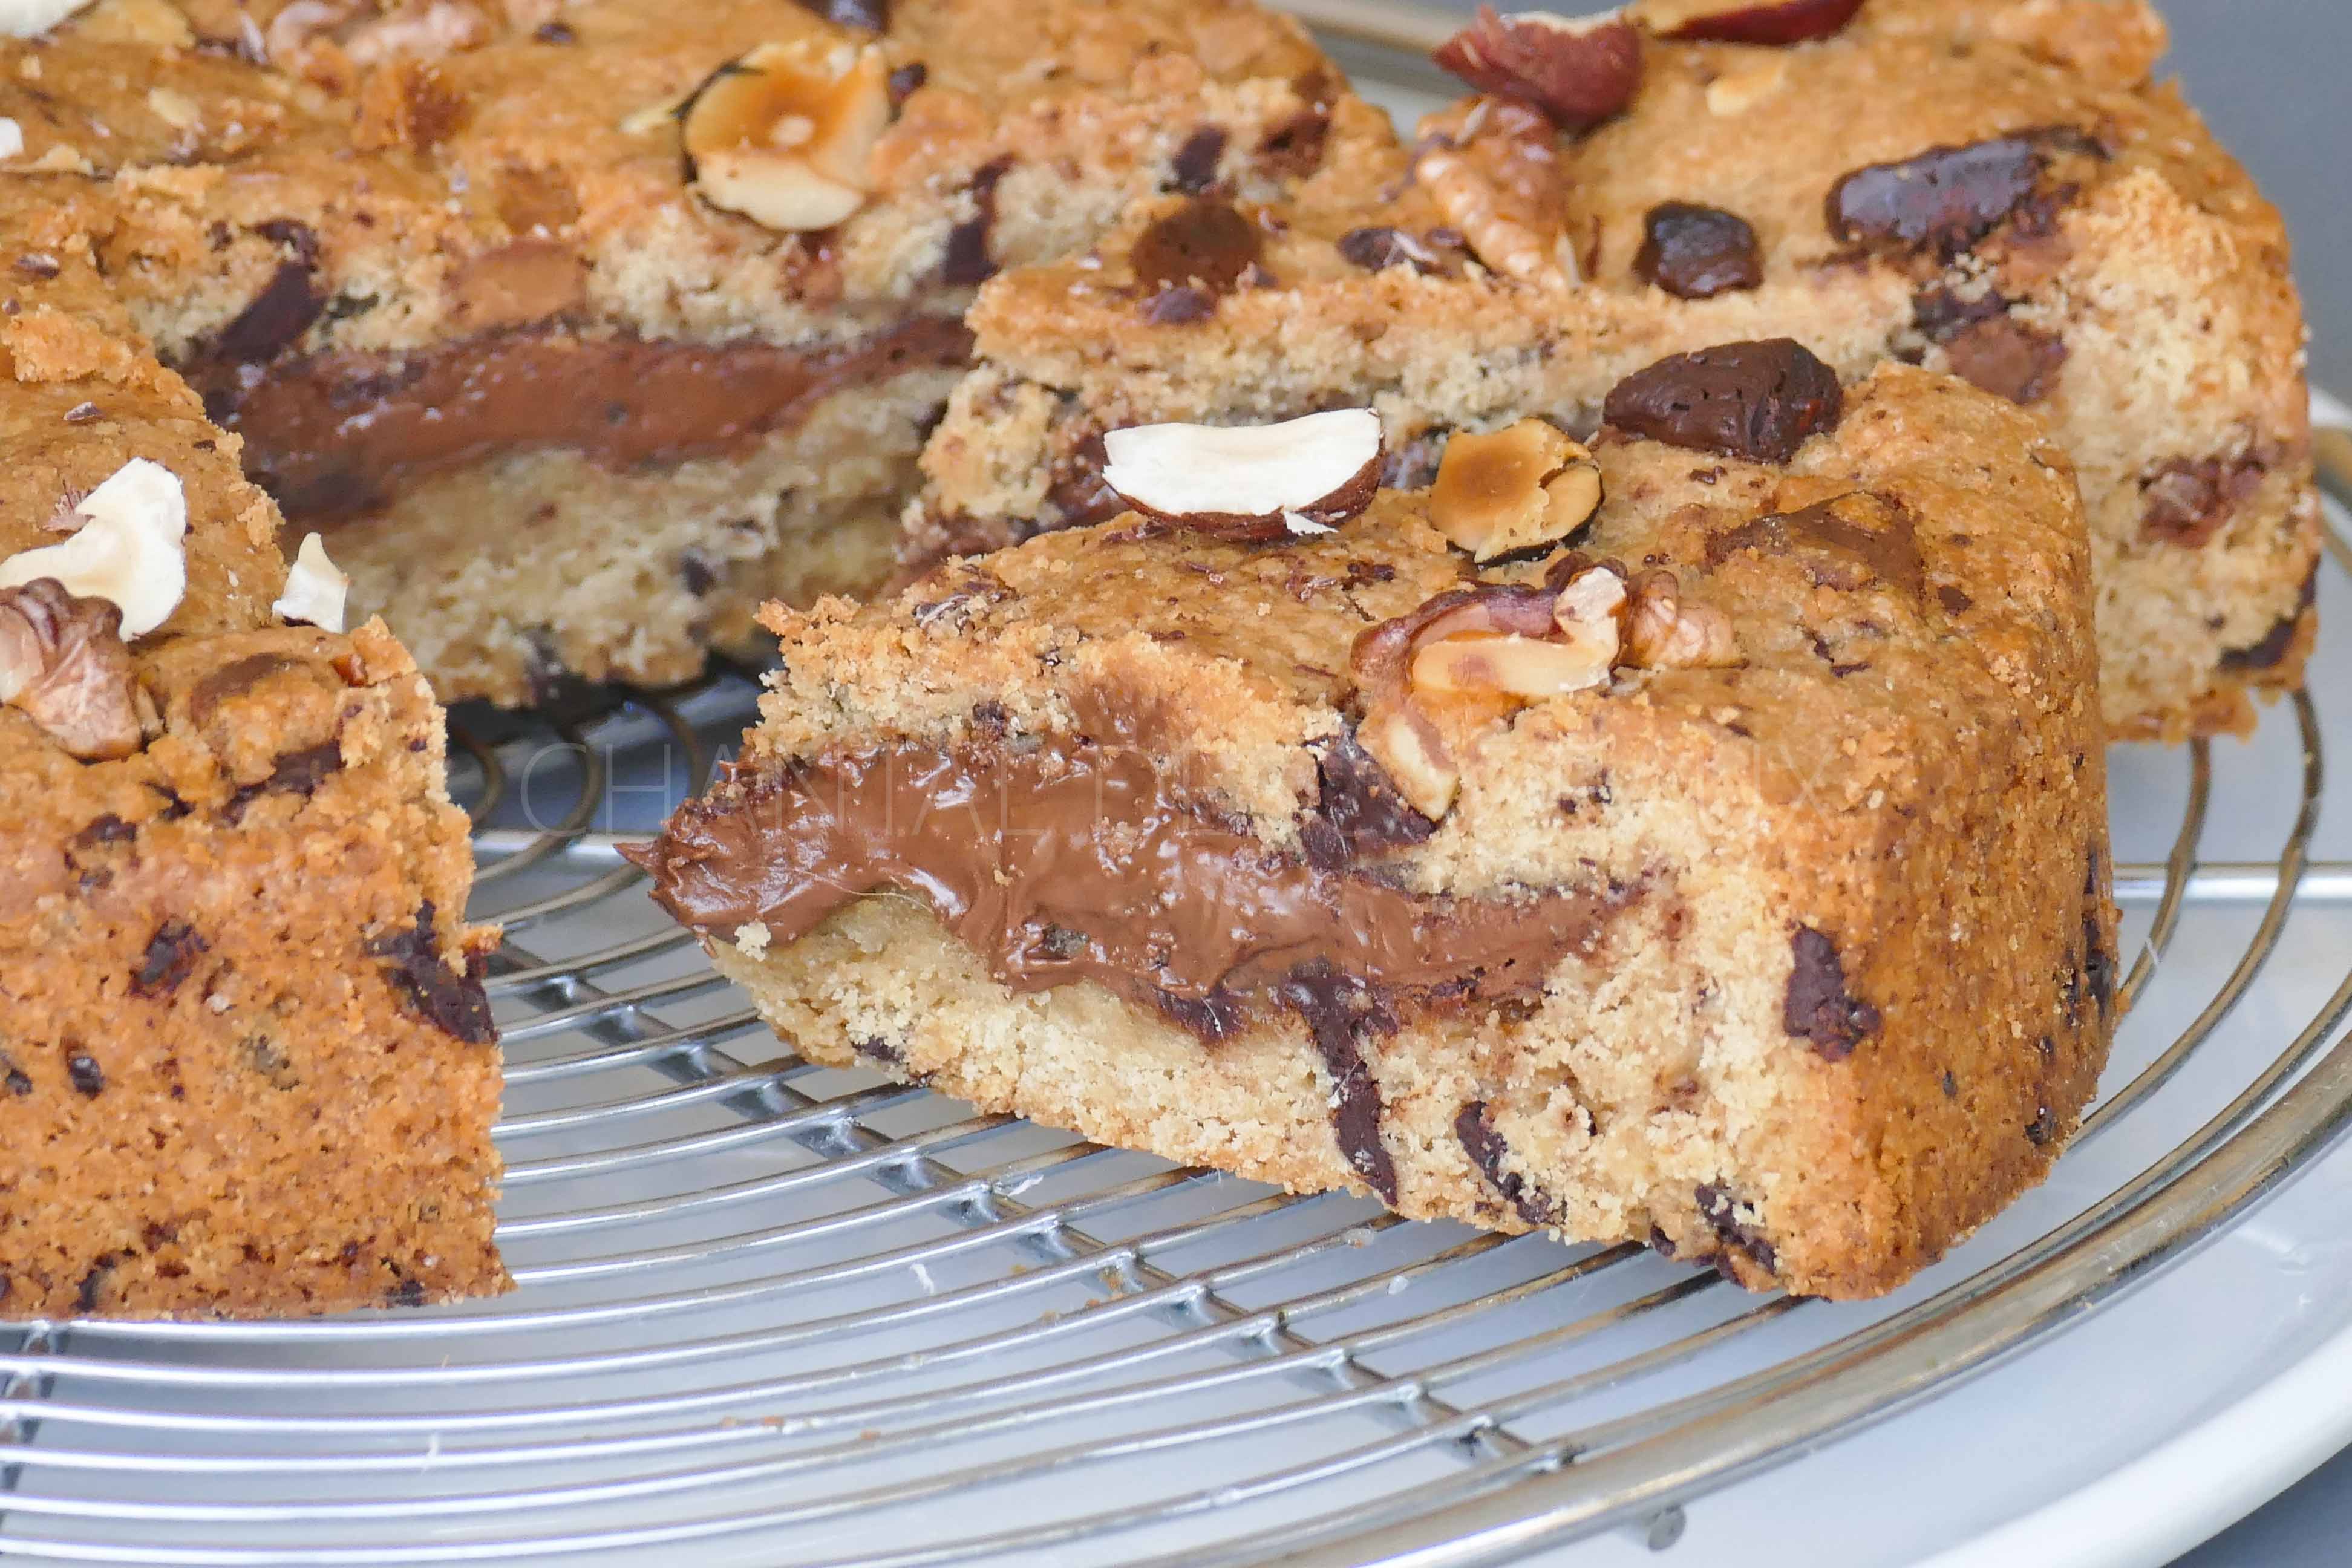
(315, 589)
(1745, 21)
(1579, 70)
(1664, 632)
(1493, 170)
(784, 135)
(31, 18)
(129, 548)
(1250, 482)
(1516, 489)
(63, 664)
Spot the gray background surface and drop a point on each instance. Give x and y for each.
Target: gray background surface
(2271, 76)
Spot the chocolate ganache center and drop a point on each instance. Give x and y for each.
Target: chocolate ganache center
(1076, 862)
(333, 434)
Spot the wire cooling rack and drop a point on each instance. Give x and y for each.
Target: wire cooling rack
(794, 1315)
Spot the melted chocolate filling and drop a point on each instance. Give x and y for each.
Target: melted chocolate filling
(1076, 861)
(333, 434)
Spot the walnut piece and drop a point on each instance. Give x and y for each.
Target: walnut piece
(1512, 489)
(785, 134)
(1662, 632)
(64, 664)
(1493, 170)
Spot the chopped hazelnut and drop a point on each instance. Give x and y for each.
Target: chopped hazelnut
(1513, 490)
(784, 135)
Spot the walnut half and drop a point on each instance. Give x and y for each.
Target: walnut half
(64, 664)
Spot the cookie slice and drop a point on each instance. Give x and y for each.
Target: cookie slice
(1990, 189)
(245, 1058)
(1694, 837)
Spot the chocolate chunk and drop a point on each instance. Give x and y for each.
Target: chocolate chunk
(698, 570)
(2007, 358)
(1219, 1015)
(84, 1073)
(2189, 500)
(1379, 247)
(296, 772)
(1944, 200)
(1951, 1085)
(2098, 963)
(1195, 168)
(1204, 243)
(555, 33)
(2043, 1128)
(906, 82)
(872, 15)
(1341, 1010)
(1819, 1007)
(1180, 307)
(291, 234)
(1294, 149)
(1859, 528)
(1487, 1151)
(1940, 314)
(1754, 400)
(407, 1293)
(967, 262)
(93, 1284)
(878, 1050)
(172, 953)
(278, 316)
(19, 1083)
(236, 677)
(106, 829)
(2267, 654)
(1357, 811)
(1721, 1212)
(450, 1001)
(1696, 252)
(1955, 603)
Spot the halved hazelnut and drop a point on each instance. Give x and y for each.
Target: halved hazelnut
(1486, 663)
(1513, 490)
(129, 548)
(1662, 632)
(1577, 70)
(31, 18)
(1745, 21)
(315, 588)
(1411, 751)
(63, 663)
(785, 135)
(1251, 482)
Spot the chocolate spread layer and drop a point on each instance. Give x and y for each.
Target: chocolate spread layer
(1076, 862)
(332, 434)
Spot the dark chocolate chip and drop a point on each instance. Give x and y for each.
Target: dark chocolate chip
(880, 1050)
(1180, 307)
(2189, 500)
(296, 772)
(1830, 534)
(106, 829)
(2007, 358)
(233, 680)
(407, 1293)
(1206, 243)
(1955, 603)
(276, 320)
(1294, 149)
(18, 1081)
(555, 33)
(1721, 1212)
(967, 262)
(1818, 1007)
(1940, 314)
(450, 1001)
(293, 236)
(1754, 400)
(172, 953)
(84, 1073)
(38, 265)
(872, 15)
(1487, 1151)
(93, 1284)
(1944, 200)
(2267, 654)
(1698, 252)
(84, 414)
(1357, 810)
(698, 570)
(1340, 1011)
(1193, 170)
(1219, 1015)
(906, 82)
(1379, 247)
(1951, 1085)
(2043, 1128)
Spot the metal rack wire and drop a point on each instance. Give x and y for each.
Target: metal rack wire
(799, 1315)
